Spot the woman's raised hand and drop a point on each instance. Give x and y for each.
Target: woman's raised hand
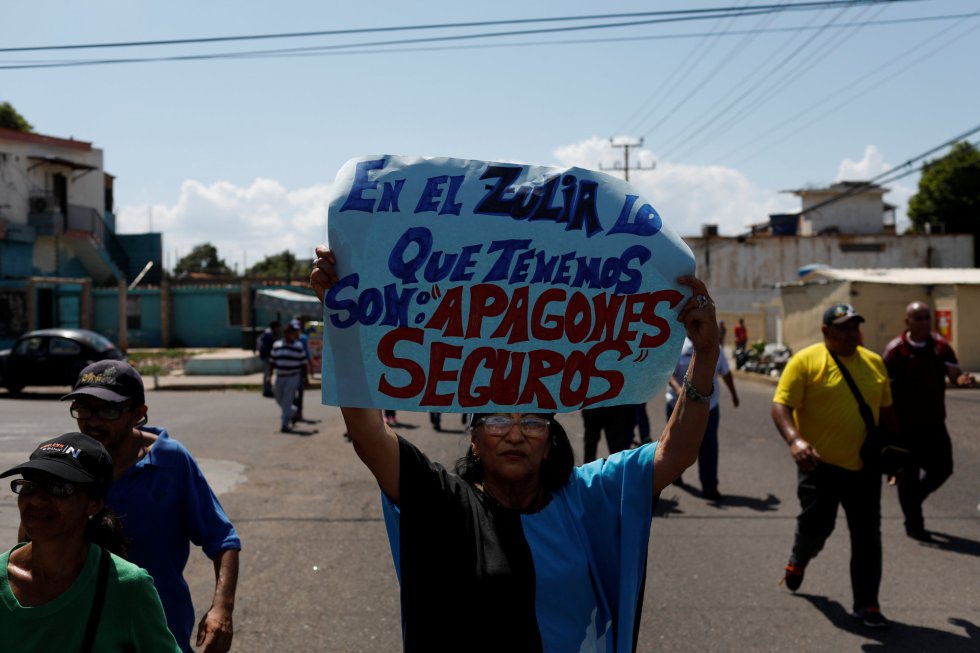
(698, 316)
(324, 276)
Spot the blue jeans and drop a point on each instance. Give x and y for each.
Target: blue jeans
(708, 454)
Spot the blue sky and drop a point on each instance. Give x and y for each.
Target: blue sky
(241, 152)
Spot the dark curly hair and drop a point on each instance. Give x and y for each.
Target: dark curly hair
(555, 468)
(105, 529)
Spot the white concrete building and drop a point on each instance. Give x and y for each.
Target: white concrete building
(855, 231)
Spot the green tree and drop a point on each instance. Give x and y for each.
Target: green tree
(949, 193)
(202, 260)
(10, 119)
(283, 264)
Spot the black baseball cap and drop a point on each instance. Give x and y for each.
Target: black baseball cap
(74, 457)
(841, 313)
(109, 380)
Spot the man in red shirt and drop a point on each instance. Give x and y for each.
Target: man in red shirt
(741, 336)
(919, 361)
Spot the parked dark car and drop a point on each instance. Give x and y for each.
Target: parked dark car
(52, 357)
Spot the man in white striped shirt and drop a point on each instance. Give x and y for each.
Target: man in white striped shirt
(289, 366)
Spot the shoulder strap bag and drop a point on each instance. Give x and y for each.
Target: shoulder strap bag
(96, 612)
(880, 449)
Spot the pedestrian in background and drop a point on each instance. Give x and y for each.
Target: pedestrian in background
(290, 367)
(722, 330)
(919, 361)
(304, 340)
(163, 500)
(616, 422)
(269, 336)
(741, 335)
(66, 588)
(708, 453)
(818, 415)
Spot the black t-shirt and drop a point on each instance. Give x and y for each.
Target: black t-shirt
(467, 575)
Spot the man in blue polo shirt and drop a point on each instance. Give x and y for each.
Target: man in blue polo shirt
(163, 500)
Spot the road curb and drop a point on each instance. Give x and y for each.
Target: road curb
(754, 376)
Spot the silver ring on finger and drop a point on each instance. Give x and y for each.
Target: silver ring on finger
(702, 301)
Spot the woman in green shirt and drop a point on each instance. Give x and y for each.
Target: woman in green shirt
(63, 590)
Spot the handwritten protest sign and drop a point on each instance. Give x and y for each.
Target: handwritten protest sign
(468, 285)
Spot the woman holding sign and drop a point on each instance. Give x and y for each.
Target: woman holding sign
(520, 550)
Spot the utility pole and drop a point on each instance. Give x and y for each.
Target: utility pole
(626, 144)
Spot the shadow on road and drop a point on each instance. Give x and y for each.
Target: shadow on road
(666, 507)
(899, 636)
(768, 504)
(953, 543)
(301, 432)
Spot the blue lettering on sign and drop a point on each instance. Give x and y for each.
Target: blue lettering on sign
(389, 196)
(434, 265)
(355, 199)
(429, 200)
(403, 268)
(534, 202)
(646, 223)
(389, 306)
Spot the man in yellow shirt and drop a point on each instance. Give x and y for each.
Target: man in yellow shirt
(818, 416)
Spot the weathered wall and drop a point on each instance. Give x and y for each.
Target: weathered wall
(803, 308)
(22, 178)
(859, 214)
(758, 263)
(966, 317)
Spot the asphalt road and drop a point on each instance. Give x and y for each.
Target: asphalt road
(317, 574)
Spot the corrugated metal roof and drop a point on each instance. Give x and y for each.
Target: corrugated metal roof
(911, 276)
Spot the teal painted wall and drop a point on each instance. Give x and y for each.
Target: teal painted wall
(200, 318)
(106, 322)
(16, 259)
(150, 333)
(141, 248)
(105, 311)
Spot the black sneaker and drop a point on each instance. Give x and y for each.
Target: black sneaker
(919, 534)
(793, 577)
(871, 617)
(712, 495)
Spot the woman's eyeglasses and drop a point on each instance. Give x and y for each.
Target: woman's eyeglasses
(107, 413)
(50, 488)
(501, 425)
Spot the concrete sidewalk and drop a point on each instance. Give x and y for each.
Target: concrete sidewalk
(205, 382)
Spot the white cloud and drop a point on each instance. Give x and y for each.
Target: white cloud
(249, 223)
(872, 165)
(246, 224)
(686, 196)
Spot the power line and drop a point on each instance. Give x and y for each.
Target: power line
(884, 177)
(676, 77)
(348, 46)
(895, 62)
(699, 126)
(777, 85)
(487, 23)
(733, 54)
(628, 39)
